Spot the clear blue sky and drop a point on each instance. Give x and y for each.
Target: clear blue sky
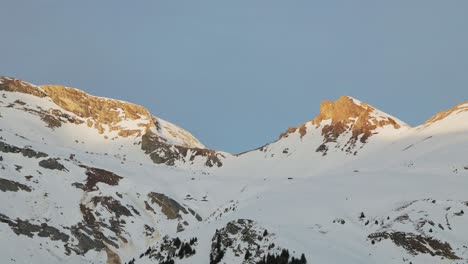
(238, 73)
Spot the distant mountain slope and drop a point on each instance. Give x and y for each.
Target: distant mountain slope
(85, 179)
(112, 119)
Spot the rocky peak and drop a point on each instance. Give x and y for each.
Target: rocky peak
(348, 110)
(167, 143)
(104, 114)
(347, 115)
(341, 110)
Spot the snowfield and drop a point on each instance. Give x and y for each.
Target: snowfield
(74, 194)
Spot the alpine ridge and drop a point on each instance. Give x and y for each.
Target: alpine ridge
(113, 119)
(86, 179)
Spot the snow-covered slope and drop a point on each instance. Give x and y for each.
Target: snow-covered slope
(101, 123)
(94, 180)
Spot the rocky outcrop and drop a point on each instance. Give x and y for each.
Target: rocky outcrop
(417, 244)
(14, 85)
(52, 164)
(165, 153)
(241, 236)
(169, 207)
(96, 175)
(12, 186)
(26, 151)
(100, 112)
(172, 210)
(346, 116)
(26, 228)
(96, 232)
(245, 239)
(417, 231)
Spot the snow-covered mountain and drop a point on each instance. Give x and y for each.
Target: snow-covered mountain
(85, 179)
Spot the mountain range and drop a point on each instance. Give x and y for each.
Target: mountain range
(86, 179)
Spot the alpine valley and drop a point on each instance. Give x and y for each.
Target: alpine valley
(85, 179)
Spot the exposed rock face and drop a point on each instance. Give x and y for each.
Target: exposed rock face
(166, 143)
(27, 152)
(169, 206)
(96, 176)
(99, 111)
(345, 109)
(165, 153)
(172, 209)
(418, 244)
(14, 85)
(239, 236)
(12, 186)
(112, 205)
(24, 227)
(426, 237)
(244, 238)
(346, 115)
(52, 164)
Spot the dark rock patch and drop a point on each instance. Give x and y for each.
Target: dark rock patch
(86, 240)
(162, 152)
(78, 185)
(19, 102)
(197, 216)
(417, 244)
(24, 227)
(96, 176)
(169, 206)
(52, 164)
(149, 208)
(27, 152)
(112, 205)
(12, 186)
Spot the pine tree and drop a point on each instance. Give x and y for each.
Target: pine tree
(177, 242)
(247, 255)
(303, 259)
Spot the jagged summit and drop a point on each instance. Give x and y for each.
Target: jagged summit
(347, 114)
(347, 109)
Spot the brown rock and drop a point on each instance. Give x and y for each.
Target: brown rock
(345, 115)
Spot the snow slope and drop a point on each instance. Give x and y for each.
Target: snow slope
(353, 185)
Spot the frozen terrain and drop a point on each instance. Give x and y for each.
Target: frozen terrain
(95, 180)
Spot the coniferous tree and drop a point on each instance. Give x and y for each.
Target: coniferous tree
(177, 242)
(247, 255)
(303, 259)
